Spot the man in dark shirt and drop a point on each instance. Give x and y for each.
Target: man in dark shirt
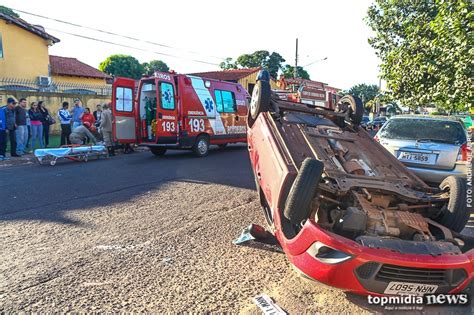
(11, 124)
(21, 128)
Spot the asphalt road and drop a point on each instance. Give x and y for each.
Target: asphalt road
(141, 233)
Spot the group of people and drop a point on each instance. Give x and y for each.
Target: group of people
(20, 126)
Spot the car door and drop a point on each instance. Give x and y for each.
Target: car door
(167, 112)
(124, 127)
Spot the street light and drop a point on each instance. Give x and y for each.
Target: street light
(319, 60)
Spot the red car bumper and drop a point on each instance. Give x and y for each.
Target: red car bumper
(369, 270)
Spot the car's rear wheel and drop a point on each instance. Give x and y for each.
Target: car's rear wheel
(260, 101)
(298, 205)
(353, 107)
(158, 151)
(201, 146)
(456, 213)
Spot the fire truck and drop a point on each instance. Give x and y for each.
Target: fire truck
(177, 111)
(307, 92)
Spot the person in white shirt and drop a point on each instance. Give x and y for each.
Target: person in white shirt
(65, 118)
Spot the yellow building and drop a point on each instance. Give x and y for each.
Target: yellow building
(23, 49)
(246, 77)
(70, 71)
(25, 62)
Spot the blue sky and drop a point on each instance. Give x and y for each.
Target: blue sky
(217, 29)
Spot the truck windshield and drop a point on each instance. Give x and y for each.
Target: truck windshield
(424, 130)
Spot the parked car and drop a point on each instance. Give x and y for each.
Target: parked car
(348, 213)
(365, 120)
(376, 123)
(433, 147)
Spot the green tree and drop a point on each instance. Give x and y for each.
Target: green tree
(289, 72)
(260, 58)
(228, 64)
(366, 92)
(155, 65)
(122, 66)
(8, 11)
(426, 50)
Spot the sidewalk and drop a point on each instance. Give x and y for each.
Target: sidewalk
(15, 161)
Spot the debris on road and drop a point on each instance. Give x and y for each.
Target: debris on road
(266, 304)
(257, 233)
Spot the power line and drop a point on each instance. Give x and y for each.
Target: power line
(131, 47)
(115, 34)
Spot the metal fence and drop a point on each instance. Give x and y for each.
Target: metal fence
(15, 84)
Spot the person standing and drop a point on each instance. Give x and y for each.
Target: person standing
(28, 126)
(3, 132)
(98, 115)
(47, 121)
(21, 128)
(36, 118)
(87, 116)
(11, 125)
(77, 113)
(106, 129)
(65, 118)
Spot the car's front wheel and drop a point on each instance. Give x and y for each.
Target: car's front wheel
(298, 205)
(456, 213)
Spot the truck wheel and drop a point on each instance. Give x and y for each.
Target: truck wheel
(260, 98)
(298, 204)
(456, 214)
(201, 146)
(355, 108)
(158, 151)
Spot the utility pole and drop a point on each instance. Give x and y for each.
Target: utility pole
(295, 71)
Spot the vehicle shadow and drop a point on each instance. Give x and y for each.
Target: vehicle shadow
(47, 193)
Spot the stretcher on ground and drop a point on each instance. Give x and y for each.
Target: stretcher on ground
(79, 153)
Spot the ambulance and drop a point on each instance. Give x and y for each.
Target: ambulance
(176, 111)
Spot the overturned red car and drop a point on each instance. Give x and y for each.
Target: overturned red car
(345, 211)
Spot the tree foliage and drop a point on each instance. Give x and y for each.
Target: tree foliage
(289, 72)
(155, 65)
(261, 58)
(8, 11)
(228, 64)
(366, 92)
(122, 66)
(426, 50)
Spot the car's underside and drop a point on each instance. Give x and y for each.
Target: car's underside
(364, 193)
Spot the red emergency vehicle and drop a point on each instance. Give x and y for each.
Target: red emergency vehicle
(177, 111)
(307, 92)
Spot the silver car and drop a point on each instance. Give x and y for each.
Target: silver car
(432, 147)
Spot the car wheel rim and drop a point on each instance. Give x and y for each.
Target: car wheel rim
(202, 147)
(253, 101)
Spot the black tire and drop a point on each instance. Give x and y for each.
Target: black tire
(355, 108)
(201, 146)
(456, 214)
(261, 97)
(303, 190)
(158, 151)
(222, 146)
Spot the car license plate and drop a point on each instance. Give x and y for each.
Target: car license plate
(417, 157)
(410, 288)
